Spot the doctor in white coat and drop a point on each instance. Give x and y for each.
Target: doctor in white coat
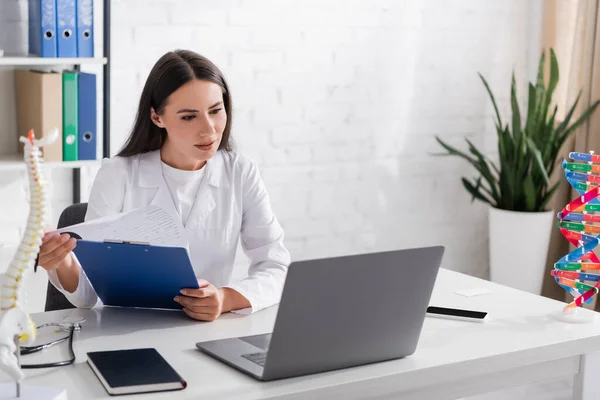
(179, 157)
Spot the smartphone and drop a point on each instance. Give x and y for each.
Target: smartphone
(455, 313)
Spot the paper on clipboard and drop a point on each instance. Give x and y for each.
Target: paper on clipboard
(150, 224)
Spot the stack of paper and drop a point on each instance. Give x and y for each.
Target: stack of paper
(149, 225)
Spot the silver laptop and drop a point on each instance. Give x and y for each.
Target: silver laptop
(340, 312)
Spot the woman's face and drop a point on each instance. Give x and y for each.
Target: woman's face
(194, 117)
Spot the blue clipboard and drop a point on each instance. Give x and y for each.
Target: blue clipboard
(126, 274)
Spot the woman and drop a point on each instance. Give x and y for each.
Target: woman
(179, 156)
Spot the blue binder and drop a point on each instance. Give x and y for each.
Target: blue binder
(66, 25)
(42, 28)
(85, 28)
(86, 115)
(136, 275)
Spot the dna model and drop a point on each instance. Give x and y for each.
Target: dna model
(578, 272)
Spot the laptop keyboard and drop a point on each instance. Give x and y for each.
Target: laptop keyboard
(260, 341)
(256, 358)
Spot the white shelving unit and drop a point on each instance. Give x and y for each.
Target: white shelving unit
(28, 61)
(14, 162)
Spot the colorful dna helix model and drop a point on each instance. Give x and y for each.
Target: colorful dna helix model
(578, 272)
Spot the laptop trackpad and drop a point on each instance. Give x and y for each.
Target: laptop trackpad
(260, 341)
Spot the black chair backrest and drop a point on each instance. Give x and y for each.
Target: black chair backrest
(73, 214)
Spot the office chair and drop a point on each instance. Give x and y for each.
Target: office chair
(73, 214)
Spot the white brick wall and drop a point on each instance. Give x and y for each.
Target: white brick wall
(339, 102)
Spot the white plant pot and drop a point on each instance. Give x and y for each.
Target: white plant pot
(518, 244)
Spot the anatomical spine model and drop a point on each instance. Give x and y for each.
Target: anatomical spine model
(15, 322)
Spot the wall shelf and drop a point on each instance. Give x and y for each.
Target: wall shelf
(14, 162)
(12, 60)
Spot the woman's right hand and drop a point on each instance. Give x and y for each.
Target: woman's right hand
(55, 251)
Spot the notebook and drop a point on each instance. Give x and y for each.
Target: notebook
(134, 371)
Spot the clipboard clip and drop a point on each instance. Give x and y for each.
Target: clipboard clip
(126, 242)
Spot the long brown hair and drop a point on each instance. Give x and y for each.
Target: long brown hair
(171, 71)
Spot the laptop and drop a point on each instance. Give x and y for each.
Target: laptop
(338, 313)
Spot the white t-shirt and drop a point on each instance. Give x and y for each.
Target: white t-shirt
(183, 186)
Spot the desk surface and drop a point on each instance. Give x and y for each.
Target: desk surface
(520, 331)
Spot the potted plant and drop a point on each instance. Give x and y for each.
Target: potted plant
(517, 187)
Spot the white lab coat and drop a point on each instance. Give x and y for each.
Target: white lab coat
(232, 204)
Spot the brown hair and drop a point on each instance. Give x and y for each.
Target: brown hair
(171, 71)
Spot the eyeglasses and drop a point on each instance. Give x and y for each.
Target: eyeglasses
(69, 325)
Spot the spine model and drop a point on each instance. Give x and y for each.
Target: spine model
(15, 322)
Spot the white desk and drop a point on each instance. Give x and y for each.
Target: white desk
(519, 344)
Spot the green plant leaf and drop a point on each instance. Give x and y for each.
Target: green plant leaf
(530, 120)
(552, 81)
(528, 145)
(480, 167)
(507, 175)
(488, 191)
(539, 97)
(529, 192)
(520, 157)
(516, 122)
(487, 87)
(455, 152)
(505, 140)
(581, 119)
(516, 114)
(482, 187)
(538, 162)
(474, 190)
(548, 154)
(540, 74)
(563, 125)
(484, 168)
(495, 168)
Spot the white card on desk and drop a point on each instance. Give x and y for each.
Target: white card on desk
(473, 292)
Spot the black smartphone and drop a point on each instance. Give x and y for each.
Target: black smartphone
(455, 313)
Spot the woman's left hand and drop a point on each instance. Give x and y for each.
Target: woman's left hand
(204, 304)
